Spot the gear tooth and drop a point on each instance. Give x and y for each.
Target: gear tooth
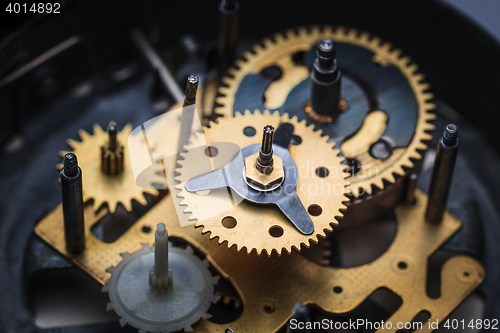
(239, 63)
(364, 36)
(398, 53)
(223, 90)
(427, 96)
(142, 330)
(105, 288)
(232, 71)
(353, 33)
(142, 200)
(187, 328)
(302, 31)
(215, 279)
(83, 135)
(290, 33)
(267, 43)
(227, 80)
(385, 47)
(113, 205)
(315, 30)
(390, 178)
(419, 78)
(411, 68)
(247, 54)
(256, 49)
(125, 255)
(327, 30)
(216, 298)
(205, 262)
(126, 130)
(97, 129)
(123, 322)
(73, 143)
(111, 269)
(109, 307)
(206, 316)
(340, 31)
(279, 38)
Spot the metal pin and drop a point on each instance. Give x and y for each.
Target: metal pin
(188, 111)
(325, 81)
(228, 38)
(164, 80)
(442, 174)
(265, 160)
(72, 204)
(160, 278)
(191, 89)
(112, 132)
(411, 186)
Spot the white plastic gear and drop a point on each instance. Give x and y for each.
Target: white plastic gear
(144, 259)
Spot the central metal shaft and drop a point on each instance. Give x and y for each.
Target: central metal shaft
(191, 89)
(325, 82)
(112, 132)
(265, 160)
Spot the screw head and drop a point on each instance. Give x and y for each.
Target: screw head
(326, 48)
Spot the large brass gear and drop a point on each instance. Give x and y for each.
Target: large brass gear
(254, 223)
(278, 50)
(100, 187)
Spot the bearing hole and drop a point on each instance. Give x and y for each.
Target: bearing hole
(466, 274)
(315, 210)
(271, 72)
(337, 289)
(249, 131)
(146, 229)
(381, 149)
(296, 140)
(276, 231)
(402, 265)
(322, 172)
(299, 57)
(229, 222)
(211, 151)
(269, 308)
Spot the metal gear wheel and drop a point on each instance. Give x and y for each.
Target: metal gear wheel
(264, 228)
(187, 302)
(389, 109)
(97, 185)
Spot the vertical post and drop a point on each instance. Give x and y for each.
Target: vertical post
(442, 174)
(72, 204)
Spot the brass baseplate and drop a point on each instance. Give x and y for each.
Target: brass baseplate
(270, 286)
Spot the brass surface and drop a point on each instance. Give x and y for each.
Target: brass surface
(260, 179)
(322, 119)
(278, 51)
(255, 223)
(270, 286)
(97, 185)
